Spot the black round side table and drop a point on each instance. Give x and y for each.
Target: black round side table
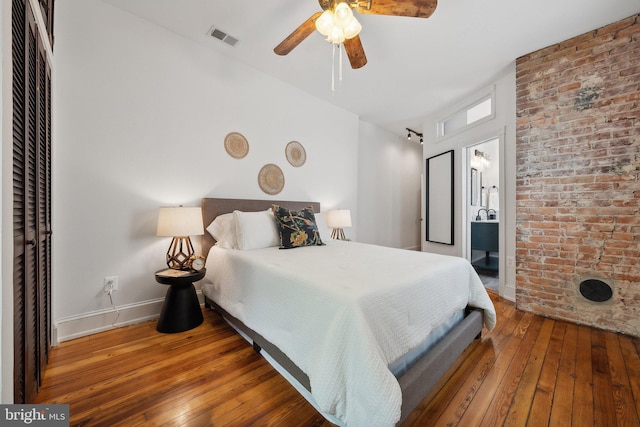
(181, 309)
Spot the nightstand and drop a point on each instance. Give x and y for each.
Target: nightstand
(181, 309)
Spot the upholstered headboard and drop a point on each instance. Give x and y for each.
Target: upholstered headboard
(211, 208)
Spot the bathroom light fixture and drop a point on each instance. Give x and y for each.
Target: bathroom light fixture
(483, 158)
(411, 131)
(481, 154)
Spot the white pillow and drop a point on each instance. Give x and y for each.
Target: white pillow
(223, 229)
(325, 234)
(256, 230)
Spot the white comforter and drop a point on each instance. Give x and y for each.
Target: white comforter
(343, 312)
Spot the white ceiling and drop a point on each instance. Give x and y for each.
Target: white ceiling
(415, 66)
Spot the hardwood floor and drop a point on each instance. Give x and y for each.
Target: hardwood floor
(529, 371)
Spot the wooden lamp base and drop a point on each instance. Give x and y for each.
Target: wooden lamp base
(180, 250)
(338, 234)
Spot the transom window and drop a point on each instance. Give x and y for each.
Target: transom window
(476, 113)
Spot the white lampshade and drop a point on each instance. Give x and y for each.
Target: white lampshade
(180, 222)
(338, 218)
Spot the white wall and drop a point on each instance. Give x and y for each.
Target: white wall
(389, 177)
(503, 125)
(140, 117)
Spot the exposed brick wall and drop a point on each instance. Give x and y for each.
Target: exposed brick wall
(578, 177)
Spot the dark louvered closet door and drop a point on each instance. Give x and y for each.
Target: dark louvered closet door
(31, 202)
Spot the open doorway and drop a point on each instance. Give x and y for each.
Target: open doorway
(483, 210)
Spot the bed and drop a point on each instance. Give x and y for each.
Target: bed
(353, 334)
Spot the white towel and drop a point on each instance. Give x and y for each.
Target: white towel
(494, 199)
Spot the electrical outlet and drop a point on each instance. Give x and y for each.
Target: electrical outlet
(110, 284)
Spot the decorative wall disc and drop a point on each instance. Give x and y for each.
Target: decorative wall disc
(271, 179)
(295, 153)
(236, 145)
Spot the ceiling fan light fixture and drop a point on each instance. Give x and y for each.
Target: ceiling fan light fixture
(336, 36)
(324, 20)
(353, 29)
(324, 24)
(338, 24)
(342, 15)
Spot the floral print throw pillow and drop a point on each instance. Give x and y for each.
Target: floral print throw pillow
(297, 228)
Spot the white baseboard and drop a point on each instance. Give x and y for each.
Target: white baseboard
(81, 325)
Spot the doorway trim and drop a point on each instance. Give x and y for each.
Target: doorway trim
(466, 194)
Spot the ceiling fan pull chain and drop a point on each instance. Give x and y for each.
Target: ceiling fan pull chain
(340, 70)
(333, 69)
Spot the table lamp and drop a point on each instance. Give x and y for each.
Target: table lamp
(338, 219)
(180, 223)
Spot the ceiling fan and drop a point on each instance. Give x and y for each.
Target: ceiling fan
(338, 24)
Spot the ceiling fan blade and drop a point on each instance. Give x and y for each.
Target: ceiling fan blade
(355, 52)
(298, 35)
(414, 8)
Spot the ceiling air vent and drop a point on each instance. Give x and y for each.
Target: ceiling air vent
(222, 36)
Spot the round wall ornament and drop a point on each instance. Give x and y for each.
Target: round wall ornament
(271, 179)
(236, 145)
(295, 154)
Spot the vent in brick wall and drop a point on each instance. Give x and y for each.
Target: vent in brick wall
(596, 290)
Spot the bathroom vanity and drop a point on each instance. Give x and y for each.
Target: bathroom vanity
(484, 237)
